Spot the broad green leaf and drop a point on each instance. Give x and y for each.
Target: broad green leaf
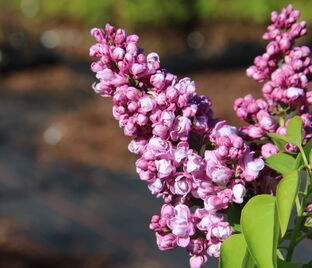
(310, 158)
(248, 261)
(232, 251)
(294, 130)
(279, 140)
(281, 162)
(286, 264)
(259, 221)
(286, 193)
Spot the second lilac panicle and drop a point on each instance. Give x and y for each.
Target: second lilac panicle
(196, 163)
(285, 71)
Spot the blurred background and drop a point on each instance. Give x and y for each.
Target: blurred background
(69, 195)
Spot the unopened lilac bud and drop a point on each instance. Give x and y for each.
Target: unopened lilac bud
(132, 106)
(132, 93)
(252, 108)
(132, 38)
(294, 93)
(172, 93)
(309, 208)
(141, 119)
(118, 53)
(141, 58)
(222, 151)
(152, 62)
(309, 97)
(262, 104)
(161, 99)
(285, 44)
(255, 131)
(98, 34)
(97, 66)
(138, 69)
(282, 130)
(160, 130)
(265, 121)
(241, 113)
(291, 148)
(141, 163)
(158, 80)
(250, 167)
(239, 192)
(146, 175)
(109, 28)
(272, 48)
(120, 36)
(269, 149)
(166, 241)
(214, 250)
(197, 261)
(156, 186)
(267, 88)
(146, 104)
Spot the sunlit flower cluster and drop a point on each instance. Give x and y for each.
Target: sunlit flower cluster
(196, 163)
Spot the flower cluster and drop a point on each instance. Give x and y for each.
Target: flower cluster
(285, 70)
(196, 163)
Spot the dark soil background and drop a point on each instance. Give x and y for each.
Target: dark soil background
(69, 195)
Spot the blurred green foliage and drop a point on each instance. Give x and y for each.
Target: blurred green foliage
(158, 12)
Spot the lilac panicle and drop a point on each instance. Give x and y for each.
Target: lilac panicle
(186, 156)
(284, 71)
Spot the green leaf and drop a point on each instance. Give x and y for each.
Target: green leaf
(286, 264)
(248, 261)
(232, 251)
(308, 222)
(310, 158)
(281, 162)
(259, 221)
(279, 140)
(286, 193)
(237, 228)
(308, 147)
(294, 130)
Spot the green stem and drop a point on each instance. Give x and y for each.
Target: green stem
(303, 237)
(281, 120)
(294, 236)
(306, 163)
(298, 206)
